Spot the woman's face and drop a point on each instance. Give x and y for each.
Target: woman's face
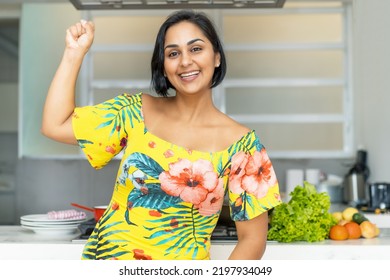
(189, 58)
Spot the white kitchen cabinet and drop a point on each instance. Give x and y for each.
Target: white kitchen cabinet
(42, 41)
(9, 107)
(7, 207)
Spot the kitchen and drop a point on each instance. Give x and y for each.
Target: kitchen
(42, 184)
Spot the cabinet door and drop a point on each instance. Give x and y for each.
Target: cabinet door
(9, 107)
(42, 41)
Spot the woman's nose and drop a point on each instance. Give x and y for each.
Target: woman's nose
(186, 59)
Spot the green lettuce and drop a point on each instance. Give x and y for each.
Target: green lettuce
(305, 217)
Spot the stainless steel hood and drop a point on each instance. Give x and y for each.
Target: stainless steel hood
(174, 4)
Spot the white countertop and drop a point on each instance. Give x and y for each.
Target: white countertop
(17, 243)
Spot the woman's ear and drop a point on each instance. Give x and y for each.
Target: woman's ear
(217, 60)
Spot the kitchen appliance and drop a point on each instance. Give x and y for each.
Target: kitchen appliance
(175, 4)
(355, 181)
(335, 191)
(379, 195)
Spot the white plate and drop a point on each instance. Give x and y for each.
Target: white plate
(44, 225)
(52, 231)
(43, 218)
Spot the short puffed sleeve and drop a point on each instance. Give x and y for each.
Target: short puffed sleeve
(103, 130)
(253, 186)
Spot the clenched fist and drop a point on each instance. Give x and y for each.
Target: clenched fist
(79, 37)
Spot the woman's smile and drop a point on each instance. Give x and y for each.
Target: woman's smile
(189, 76)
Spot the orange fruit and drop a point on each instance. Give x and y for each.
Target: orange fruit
(368, 229)
(338, 232)
(354, 230)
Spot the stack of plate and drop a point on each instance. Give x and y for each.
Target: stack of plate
(42, 224)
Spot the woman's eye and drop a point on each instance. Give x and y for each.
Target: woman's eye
(173, 54)
(196, 49)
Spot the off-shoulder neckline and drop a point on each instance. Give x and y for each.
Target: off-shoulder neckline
(139, 99)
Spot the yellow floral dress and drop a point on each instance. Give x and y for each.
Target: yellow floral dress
(167, 199)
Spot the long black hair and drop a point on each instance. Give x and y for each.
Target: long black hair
(160, 83)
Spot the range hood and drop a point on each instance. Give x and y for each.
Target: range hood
(174, 4)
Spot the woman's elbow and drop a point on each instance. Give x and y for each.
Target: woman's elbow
(60, 134)
(47, 130)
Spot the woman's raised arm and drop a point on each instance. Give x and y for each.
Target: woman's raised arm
(60, 100)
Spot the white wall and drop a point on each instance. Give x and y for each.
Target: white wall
(372, 83)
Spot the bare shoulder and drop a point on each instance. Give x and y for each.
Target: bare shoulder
(151, 105)
(148, 100)
(152, 102)
(233, 130)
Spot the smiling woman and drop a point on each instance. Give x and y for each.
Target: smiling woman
(171, 183)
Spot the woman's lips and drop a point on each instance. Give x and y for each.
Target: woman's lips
(189, 75)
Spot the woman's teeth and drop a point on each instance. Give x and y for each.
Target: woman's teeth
(189, 74)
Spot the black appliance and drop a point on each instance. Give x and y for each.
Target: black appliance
(379, 195)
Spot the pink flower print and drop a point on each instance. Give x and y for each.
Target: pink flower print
(115, 206)
(253, 174)
(140, 255)
(152, 144)
(259, 174)
(168, 153)
(155, 213)
(213, 202)
(239, 161)
(110, 149)
(192, 181)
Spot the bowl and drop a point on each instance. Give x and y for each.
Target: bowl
(99, 211)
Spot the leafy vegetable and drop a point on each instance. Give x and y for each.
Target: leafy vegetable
(305, 217)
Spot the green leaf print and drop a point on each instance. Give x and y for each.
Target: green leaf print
(83, 142)
(112, 248)
(120, 112)
(186, 226)
(145, 163)
(147, 195)
(152, 197)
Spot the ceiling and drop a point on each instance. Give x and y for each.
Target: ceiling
(174, 4)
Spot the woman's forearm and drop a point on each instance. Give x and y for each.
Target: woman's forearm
(252, 238)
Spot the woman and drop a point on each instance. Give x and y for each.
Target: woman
(181, 154)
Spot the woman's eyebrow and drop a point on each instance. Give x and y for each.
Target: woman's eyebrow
(188, 43)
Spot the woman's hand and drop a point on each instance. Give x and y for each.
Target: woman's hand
(79, 37)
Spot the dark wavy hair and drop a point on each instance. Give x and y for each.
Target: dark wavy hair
(159, 82)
